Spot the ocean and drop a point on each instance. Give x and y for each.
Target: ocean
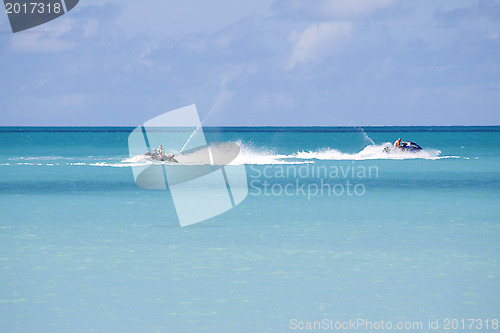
(334, 231)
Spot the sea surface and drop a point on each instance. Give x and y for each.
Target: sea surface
(332, 229)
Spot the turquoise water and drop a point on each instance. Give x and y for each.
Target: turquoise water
(83, 249)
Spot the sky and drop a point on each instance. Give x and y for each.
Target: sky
(256, 63)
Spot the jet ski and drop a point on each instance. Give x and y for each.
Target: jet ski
(404, 146)
(167, 157)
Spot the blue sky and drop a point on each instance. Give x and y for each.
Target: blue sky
(262, 62)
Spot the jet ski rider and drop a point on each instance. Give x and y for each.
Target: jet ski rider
(397, 144)
(161, 151)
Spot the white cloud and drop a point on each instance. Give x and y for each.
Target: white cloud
(196, 44)
(493, 35)
(317, 42)
(36, 40)
(351, 8)
(225, 39)
(90, 28)
(144, 59)
(229, 74)
(144, 56)
(177, 20)
(332, 9)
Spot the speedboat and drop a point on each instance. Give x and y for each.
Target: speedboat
(404, 146)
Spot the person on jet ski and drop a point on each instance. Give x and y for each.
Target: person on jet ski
(161, 151)
(397, 144)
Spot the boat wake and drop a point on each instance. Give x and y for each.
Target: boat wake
(371, 152)
(248, 155)
(251, 155)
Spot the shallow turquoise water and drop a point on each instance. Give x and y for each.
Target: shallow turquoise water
(83, 249)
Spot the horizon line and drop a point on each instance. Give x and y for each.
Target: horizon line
(320, 126)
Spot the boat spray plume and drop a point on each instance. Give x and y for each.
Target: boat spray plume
(367, 138)
(221, 99)
(190, 137)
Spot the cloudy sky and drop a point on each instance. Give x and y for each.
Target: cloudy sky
(260, 62)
